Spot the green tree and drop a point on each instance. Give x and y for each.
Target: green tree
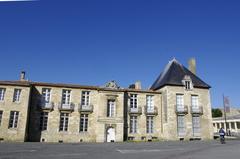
(216, 112)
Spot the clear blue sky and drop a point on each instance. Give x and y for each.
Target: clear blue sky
(91, 42)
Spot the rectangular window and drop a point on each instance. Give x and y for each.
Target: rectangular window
(133, 101)
(13, 120)
(84, 123)
(2, 93)
(218, 126)
(180, 125)
(150, 104)
(1, 114)
(149, 124)
(85, 98)
(196, 125)
(195, 101)
(64, 117)
(43, 121)
(16, 95)
(111, 108)
(133, 124)
(46, 95)
(180, 102)
(187, 85)
(66, 96)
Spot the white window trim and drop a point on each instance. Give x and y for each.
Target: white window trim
(150, 102)
(46, 94)
(67, 99)
(195, 102)
(134, 126)
(84, 117)
(18, 95)
(84, 97)
(14, 119)
(111, 108)
(150, 125)
(65, 125)
(2, 94)
(134, 97)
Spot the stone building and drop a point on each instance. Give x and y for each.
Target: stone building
(177, 106)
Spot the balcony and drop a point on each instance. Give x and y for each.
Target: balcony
(137, 110)
(181, 109)
(66, 107)
(197, 110)
(85, 108)
(152, 111)
(46, 106)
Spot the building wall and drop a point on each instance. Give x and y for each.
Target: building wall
(142, 134)
(19, 133)
(170, 116)
(165, 121)
(98, 121)
(103, 122)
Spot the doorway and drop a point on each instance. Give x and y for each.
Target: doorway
(110, 134)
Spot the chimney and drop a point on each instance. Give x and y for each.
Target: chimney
(22, 76)
(138, 85)
(192, 65)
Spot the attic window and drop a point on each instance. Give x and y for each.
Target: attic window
(187, 82)
(187, 85)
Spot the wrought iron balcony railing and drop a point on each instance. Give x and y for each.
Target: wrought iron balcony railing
(46, 105)
(181, 109)
(85, 108)
(137, 110)
(66, 106)
(196, 109)
(151, 111)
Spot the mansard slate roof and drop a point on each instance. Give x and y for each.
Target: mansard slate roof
(174, 73)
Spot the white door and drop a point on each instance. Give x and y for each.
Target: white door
(110, 135)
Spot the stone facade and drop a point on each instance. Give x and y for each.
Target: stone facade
(7, 105)
(170, 124)
(50, 112)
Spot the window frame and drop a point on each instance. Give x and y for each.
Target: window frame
(43, 121)
(133, 124)
(134, 101)
(13, 120)
(85, 98)
(64, 121)
(17, 95)
(46, 95)
(196, 126)
(2, 94)
(66, 96)
(150, 102)
(84, 123)
(111, 108)
(150, 125)
(181, 128)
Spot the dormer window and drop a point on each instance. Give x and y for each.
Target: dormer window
(187, 82)
(187, 85)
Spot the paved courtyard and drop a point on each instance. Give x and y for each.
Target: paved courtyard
(154, 150)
